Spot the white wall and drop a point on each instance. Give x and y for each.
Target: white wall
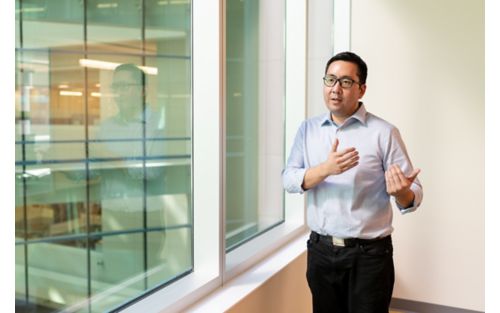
(426, 75)
(320, 38)
(328, 23)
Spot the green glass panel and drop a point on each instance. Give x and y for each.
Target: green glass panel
(114, 26)
(169, 254)
(57, 275)
(254, 114)
(117, 260)
(51, 97)
(60, 22)
(169, 93)
(20, 269)
(103, 167)
(242, 92)
(55, 200)
(18, 24)
(18, 100)
(19, 204)
(168, 27)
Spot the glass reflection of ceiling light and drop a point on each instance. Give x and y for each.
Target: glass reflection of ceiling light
(31, 10)
(108, 5)
(40, 172)
(179, 96)
(63, 86)
(98, 85)
(70, 93)
(148, 164)
(104, 65)
(165, 2)
(55, 296)
(179, 1)
(42, 137)
(36, 61)
(102, 94)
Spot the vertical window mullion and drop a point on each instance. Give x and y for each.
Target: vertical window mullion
(87, 156)
(144, 181)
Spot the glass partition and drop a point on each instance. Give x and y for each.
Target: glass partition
(103, 151)
(255, 96)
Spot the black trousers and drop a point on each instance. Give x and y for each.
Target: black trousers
(354, 279)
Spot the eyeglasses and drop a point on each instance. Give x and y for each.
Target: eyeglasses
(121, 86)
(344, 82)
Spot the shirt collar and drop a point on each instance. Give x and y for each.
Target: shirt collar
(359, 115)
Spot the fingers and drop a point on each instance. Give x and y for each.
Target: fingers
(393, 180)
(414, 174)
(348, 156)
(350, 164)
(389, 182)
(396, 181)
(401, 175)
(347, 159)
(398, 178)
(343, 160)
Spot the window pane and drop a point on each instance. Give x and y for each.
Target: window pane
(254, 119)
(18, 20)
(168, 28)
(20, 266)
(168, 256)
(60, 22)
(57, 274)
(119, 271)
(114, 26)
(103, 160)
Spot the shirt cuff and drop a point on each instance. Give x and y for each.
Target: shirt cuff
(294, 179)
(417, 191)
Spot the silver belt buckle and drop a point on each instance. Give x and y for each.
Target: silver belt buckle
(338, 242)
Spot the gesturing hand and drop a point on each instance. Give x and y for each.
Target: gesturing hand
(339, 162)
(396, 182)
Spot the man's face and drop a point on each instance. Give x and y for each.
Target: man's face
(343, 102)
(128, 92)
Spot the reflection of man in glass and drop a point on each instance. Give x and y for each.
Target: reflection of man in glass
(127, 179)
(128, 87)
(126, 135)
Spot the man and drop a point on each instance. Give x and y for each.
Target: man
(350, 162)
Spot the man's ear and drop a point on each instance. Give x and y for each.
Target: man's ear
(363, 90)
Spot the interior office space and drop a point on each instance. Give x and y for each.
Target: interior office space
(178, 205)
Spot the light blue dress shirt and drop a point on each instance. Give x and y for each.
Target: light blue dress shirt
(355, 203)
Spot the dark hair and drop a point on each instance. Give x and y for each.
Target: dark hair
(353, 58)
(137, 73)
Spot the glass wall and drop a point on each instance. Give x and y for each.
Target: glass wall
(255, 95)
(103, 151)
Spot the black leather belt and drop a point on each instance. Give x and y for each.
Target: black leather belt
(346, 242)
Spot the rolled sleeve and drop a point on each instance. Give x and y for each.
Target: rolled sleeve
(397, 154)
(416, 187)
(294, 172)
(292, 179)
